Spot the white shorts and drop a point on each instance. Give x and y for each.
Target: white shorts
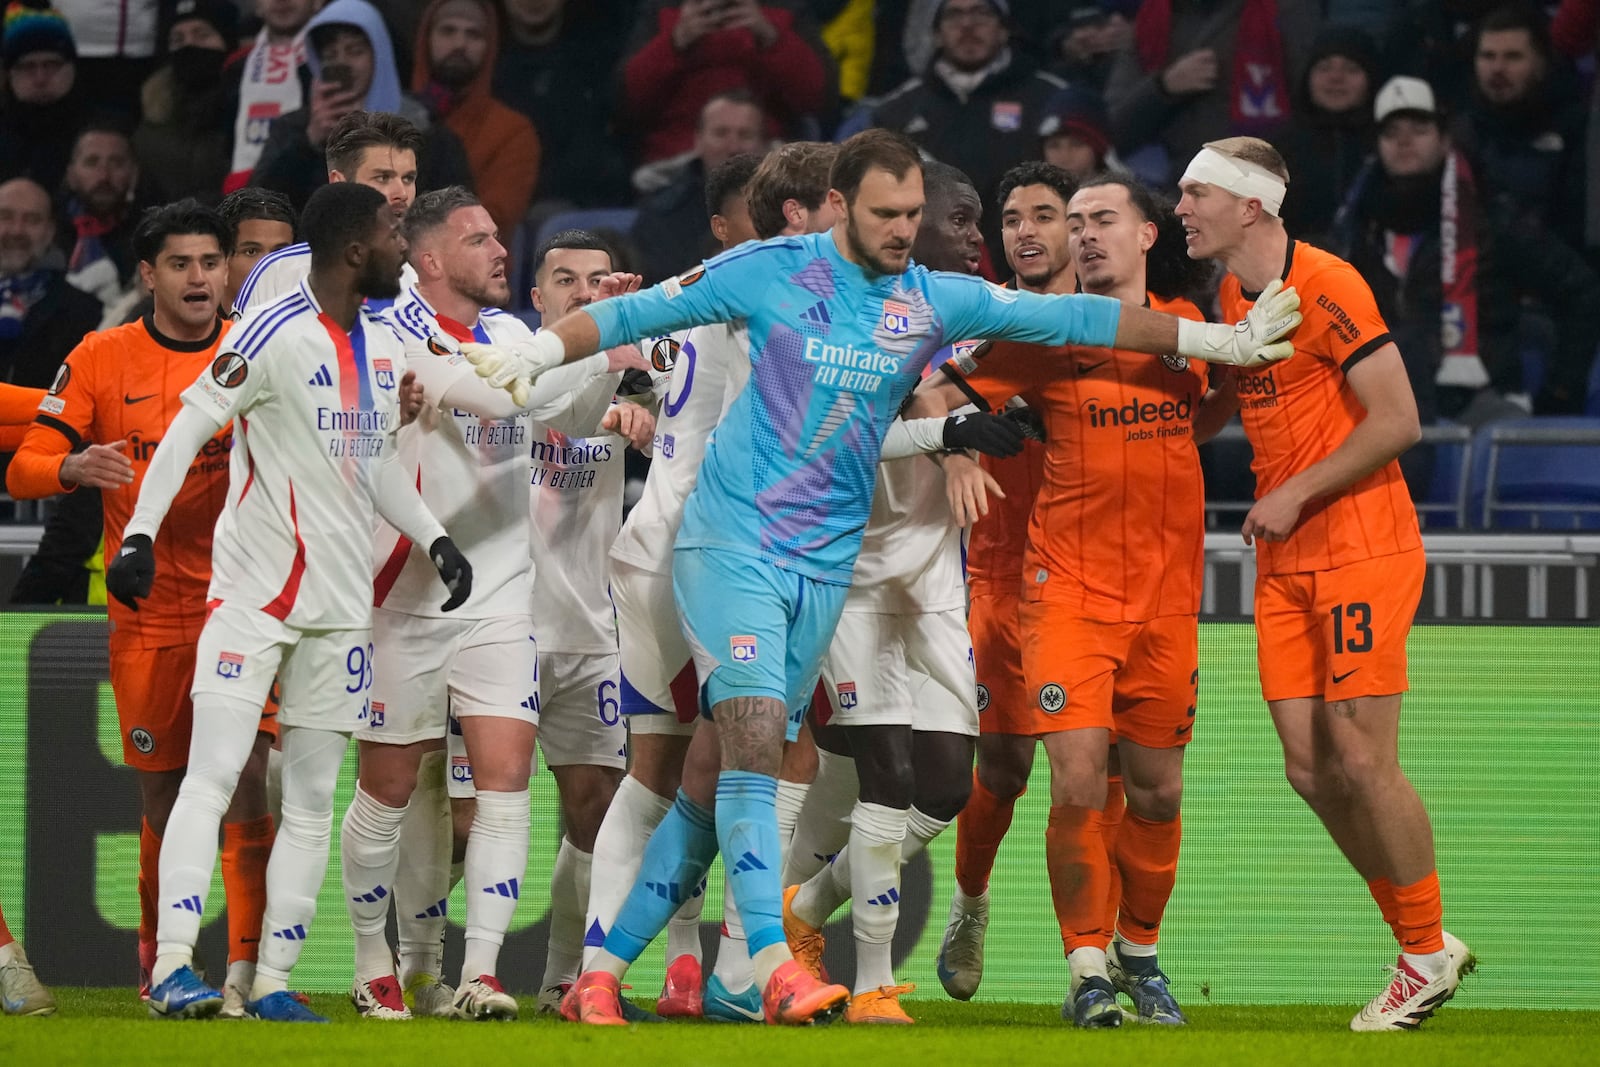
(659, 689)
(580, 722)
(429, 666)
(325, 676)
(902, 669)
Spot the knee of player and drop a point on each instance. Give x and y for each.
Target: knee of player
(1156, 801)
(887, 776)
(1006, 779)
(942, 799)
(1362, 765)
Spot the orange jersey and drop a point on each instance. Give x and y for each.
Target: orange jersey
(1298, 411)
(122, 384)
(996, 545)
(17, 405)
(1118, 527)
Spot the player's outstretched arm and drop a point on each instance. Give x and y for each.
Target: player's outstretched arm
(1262, 336)
(1390, 427)
(395, 495)
(133, 570)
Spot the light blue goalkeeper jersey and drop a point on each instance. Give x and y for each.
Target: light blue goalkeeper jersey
(834, 351)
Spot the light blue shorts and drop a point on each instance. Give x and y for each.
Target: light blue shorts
(755, 629)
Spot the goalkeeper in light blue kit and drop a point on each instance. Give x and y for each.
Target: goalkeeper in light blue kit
(841, 325)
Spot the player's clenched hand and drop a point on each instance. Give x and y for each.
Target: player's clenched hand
(630, 421)
(1274, 516)
(98, 466)
(967, 487)
(618, 283)
(993, 435)
(130, 575)
(501, 369)
(412, 398)
(454, 571)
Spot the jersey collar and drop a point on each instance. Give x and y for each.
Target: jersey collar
(1288, 265)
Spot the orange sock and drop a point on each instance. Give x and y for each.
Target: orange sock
(149, 882)
(1382, 891)
(980, 828)
(1110, 823)
(246, 846)
(1419, 916)
(1080, 873)
(5, 931)
(1147, 854)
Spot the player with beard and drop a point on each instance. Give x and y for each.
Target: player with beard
(311, 383)
(771, 531)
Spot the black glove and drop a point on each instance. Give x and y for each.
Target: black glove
(1029, 419)
(992, 435)
(130, 574)
(454, 571)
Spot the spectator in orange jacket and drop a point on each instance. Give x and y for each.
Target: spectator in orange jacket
(456, 45)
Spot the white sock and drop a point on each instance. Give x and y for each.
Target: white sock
(299, 863)
(634, 814)
(1086, 963)
(564, 950)
(497, 864)
(421, 884)
(920, 829)
(369, 853)
(824, 820)
(733, 952)
(226, 731)
(1431, 964)
(791, 797)
(1133, 948)
(876, 835)
(275, 785)
(683, 929)
(241, 974)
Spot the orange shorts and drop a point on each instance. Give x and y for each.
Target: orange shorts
(154, 711)
(1003, 704)
(1341, 633)
(1136, 679)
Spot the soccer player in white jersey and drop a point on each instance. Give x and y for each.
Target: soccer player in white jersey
(575, 506)
(373, 148)
(708, 365)
(311, 384)
(468, 451)
(899, 679)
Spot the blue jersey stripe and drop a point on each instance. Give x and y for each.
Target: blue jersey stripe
(358, 351)
(247, 290)
(259, 331)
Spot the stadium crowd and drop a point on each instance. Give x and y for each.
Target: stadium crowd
(1443, 150)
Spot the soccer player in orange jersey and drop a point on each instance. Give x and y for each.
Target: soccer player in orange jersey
(110, 404)
(1110, 590)
(1339, 558)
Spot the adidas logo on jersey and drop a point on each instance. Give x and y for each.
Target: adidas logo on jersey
(322, 377)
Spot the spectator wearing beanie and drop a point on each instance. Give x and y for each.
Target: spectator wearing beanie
(185, 141)
(1333, 130)
(43, 108)
(1075, 134)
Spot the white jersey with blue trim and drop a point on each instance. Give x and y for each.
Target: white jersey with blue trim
(315, 412)
(280, 272)
(709, 367)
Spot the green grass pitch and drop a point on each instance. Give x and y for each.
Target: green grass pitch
(108, 1026)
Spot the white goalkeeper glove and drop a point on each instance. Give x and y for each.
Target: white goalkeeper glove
(513, 367)
(1260, 338)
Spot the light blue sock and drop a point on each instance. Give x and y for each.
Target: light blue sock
(672, 870)
(747, 829)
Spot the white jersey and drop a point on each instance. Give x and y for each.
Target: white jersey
(472, 466)
(910, 559)
(576, 507)
(711, 365)
(280, 272)
(315, 412)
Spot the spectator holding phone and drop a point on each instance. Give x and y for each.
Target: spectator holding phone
(353, 69)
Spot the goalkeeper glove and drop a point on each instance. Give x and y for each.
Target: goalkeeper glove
(993, 435)
(1259, 339)
(130, 575)
(454, 571)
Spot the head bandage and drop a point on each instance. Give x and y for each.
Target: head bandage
(1238, 177)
